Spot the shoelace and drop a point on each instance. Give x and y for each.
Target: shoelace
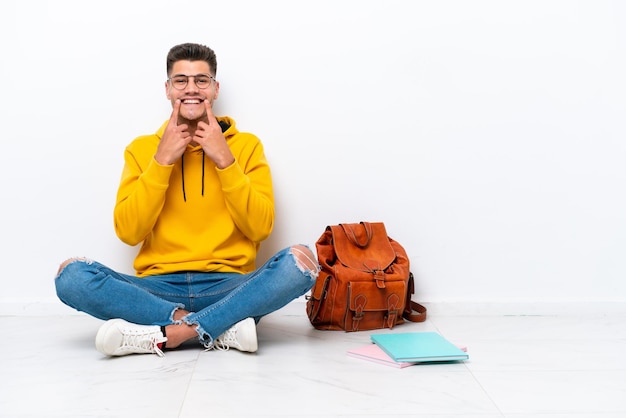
(143, 341)
(224, 341)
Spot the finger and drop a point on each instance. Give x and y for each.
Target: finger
(209, 110)
(175, 111)
(202, 126)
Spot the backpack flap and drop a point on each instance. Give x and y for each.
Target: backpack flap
(364, 247)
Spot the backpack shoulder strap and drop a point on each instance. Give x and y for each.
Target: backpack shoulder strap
(413, 311)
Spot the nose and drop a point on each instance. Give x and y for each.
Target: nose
(191, 84)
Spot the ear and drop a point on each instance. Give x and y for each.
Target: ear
(167, 90)
(217, 90)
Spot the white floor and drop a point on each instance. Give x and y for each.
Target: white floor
(520, 366)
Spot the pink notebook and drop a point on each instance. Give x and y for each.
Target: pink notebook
(374, 353)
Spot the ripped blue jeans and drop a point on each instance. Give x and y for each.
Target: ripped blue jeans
(216, 301)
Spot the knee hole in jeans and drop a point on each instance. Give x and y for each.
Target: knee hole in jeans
(305, 259)
(70, 261)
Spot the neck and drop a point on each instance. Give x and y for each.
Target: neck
(192, 125)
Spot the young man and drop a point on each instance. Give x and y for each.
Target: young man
(198, 196)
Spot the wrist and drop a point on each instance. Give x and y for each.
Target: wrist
(225, 162)
(160, 161)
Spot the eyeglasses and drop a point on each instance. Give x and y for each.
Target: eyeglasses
(179, 81)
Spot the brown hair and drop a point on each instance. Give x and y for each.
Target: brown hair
(192, 52)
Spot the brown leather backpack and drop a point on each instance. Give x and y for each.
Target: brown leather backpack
(365, 281)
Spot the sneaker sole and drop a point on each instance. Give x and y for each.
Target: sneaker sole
(102, 336)
(250, 336)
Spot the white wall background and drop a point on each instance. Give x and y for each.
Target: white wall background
(487, 135)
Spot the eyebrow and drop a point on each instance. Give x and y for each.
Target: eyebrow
(192, 75)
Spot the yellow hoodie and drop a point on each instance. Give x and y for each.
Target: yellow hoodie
(192, 216)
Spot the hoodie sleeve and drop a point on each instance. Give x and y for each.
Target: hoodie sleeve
(141, 194)
(247, 188)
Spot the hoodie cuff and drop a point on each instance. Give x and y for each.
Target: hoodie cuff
(157, 174)
(231, 177)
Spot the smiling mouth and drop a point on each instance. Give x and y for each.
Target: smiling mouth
(192, 101)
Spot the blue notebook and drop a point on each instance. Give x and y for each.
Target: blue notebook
(418, 347)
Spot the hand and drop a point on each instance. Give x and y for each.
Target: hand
(175, 139)
(209, 135)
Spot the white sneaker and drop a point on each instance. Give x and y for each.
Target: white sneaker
(117, 337)
(241, 336)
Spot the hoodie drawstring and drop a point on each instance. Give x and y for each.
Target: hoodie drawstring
(182, 169)
(202, 172)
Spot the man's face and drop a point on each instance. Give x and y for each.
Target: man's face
(191, 96)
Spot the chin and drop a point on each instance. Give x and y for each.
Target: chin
(193, 116)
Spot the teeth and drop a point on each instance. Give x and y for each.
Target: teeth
(191, 101)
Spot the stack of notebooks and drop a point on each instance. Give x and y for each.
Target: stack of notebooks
(406, 349)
